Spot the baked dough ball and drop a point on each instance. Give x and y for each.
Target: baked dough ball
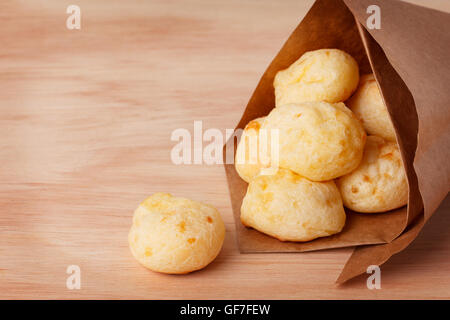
(367, 104)
(292, 208)
(379, 183)
(329, 75)
(318, 140)
(250, 155)
(175, 235)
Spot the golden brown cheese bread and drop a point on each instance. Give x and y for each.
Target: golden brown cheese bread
(367, 104)
(292, 208)
(379, 183)
(175, 235)
(318, 140)
(329, 75)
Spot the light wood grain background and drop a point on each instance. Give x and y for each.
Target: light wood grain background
(85, 124)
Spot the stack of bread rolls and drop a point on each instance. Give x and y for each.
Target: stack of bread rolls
(336, 147)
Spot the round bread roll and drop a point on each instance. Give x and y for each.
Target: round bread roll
(250, 157)
(329, 75)
(367, 104)
(379, 183)
(175, 235)
(292, 208)
(318, 140)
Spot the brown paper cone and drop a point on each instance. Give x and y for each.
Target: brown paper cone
(417, 47)
(421, 122)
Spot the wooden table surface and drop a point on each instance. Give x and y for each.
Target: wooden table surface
(85, 123)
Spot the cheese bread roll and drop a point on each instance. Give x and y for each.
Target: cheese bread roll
(329, 75)
(250, 156)
(318, 140)
(292, 208)
(379, 183)
(175, 235)
(367, 104)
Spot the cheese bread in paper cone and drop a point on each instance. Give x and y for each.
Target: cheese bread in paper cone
(409, 60)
